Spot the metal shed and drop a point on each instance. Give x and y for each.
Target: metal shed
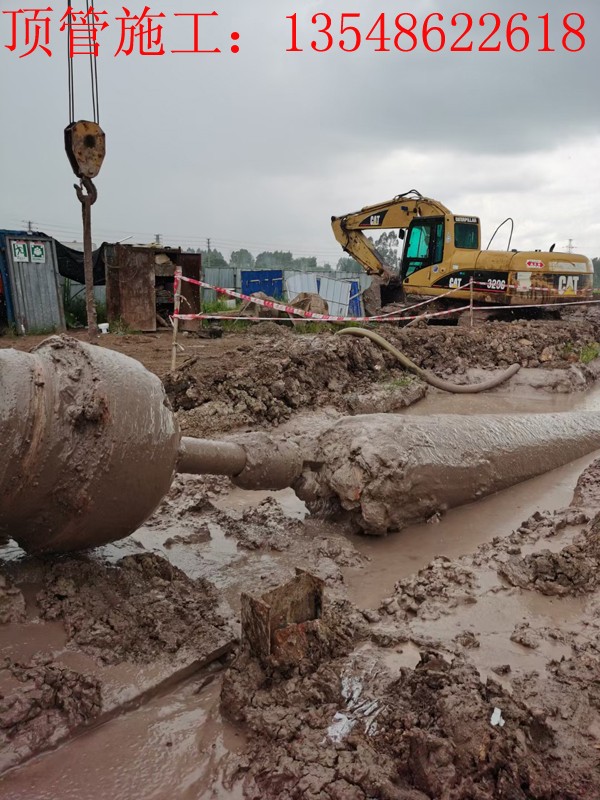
(139, 284)
(29, 276)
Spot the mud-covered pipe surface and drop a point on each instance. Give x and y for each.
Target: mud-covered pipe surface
(88, 445)
(388, 471)
(252, 460)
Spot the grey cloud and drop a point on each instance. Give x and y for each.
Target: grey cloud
(195, 143)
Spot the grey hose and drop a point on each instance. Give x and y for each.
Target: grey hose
(446, 386)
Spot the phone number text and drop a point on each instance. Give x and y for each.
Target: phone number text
(460, 33)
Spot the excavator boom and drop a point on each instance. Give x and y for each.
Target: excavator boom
(396, 213)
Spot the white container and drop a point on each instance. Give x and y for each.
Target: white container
(103, 327)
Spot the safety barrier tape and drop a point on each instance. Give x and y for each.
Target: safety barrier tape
(394, 316)
(326, 318)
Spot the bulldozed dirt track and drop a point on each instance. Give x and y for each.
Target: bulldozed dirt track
(429, 631)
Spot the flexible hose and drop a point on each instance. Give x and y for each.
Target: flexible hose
(446, 386)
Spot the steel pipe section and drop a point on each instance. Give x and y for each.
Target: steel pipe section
(88, 445)
(388, 471)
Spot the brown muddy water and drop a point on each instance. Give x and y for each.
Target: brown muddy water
(456, 533)
(177, 745)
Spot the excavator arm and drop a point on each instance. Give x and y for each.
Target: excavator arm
(396, 213)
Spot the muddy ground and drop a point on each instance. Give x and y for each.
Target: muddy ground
(262, 376)
(459, 658)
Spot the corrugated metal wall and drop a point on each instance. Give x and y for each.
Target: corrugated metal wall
(337, 294)
(37, 304)
(269, 281)
(342, 290)
(274, 282)
(218, 276)
(297, 282)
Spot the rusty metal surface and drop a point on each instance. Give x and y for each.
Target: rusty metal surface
(131, 274)
(276, 623)
(130, 292)
(85, 145)
(191, 267)
(87, 199)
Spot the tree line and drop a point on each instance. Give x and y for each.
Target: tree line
(387, 245)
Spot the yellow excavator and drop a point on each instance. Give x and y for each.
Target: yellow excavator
(442, 253)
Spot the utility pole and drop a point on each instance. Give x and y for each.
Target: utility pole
(570, 246)
(29, 224)
(208, 253)
(157, 238)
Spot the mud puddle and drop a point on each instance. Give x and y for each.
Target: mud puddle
(506, 399)
(456, 533)
(241, 499)
(175, 746)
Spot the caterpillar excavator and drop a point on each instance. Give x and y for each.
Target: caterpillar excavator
(442, 253)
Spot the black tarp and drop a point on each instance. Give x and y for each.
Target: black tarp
(70, 263)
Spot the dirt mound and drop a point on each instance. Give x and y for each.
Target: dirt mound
(270, 328)
(267, 378)
(354, 729)
(263, 527)
(272, 381)
(12, 602)
(432, 591)
(573, 570)
(449, 350)
(39, 703)
(139, 609)
(438, 726)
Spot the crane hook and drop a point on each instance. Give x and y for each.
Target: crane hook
(92, 193)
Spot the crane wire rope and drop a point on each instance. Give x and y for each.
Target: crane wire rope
(93, 64)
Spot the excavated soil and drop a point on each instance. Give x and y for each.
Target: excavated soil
(40, 703)
(138, 609)
(271, 376)
(466, 677)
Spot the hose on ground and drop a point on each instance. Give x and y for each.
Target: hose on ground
(428, 377)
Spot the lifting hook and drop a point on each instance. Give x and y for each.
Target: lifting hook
(92, 193)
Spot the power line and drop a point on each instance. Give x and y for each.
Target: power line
(304, 250)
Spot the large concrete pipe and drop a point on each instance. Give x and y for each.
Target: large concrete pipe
(89, 447)
(388, 471)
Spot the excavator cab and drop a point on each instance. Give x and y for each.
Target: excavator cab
(425, 238)
(423, 245)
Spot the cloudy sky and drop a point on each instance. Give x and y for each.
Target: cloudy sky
(260, 148)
